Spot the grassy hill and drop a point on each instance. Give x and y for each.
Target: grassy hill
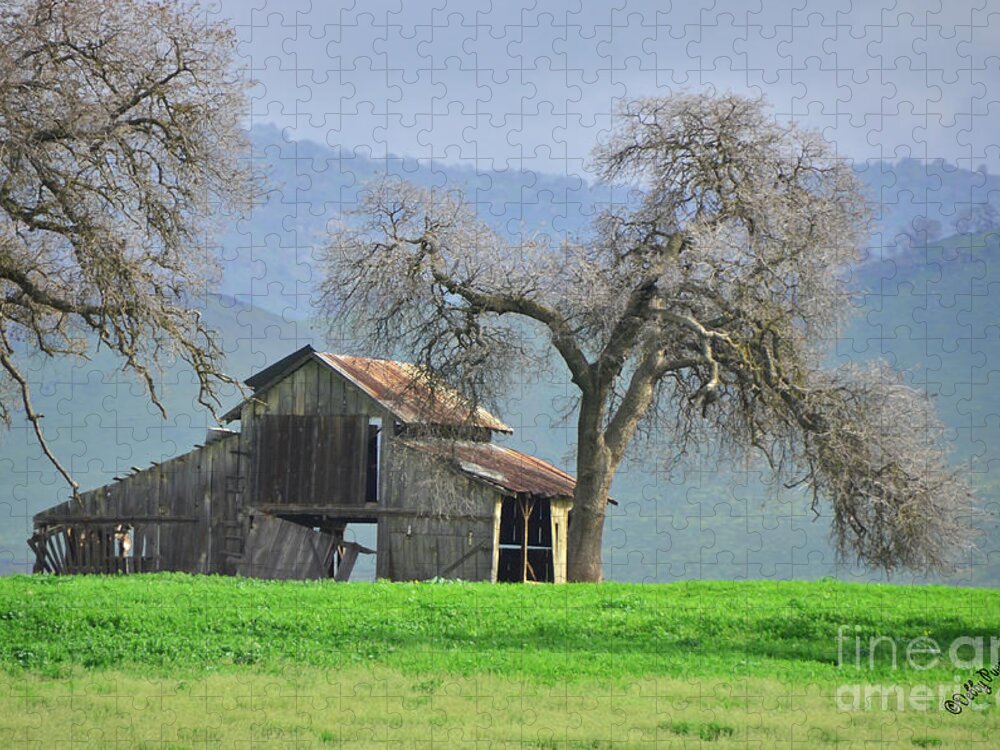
(169, 660)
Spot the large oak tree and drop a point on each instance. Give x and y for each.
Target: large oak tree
(120, 138)
(696, 309)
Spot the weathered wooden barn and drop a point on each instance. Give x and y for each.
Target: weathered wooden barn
(327, 441)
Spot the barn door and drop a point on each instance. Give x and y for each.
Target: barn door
(280, 549)
(312, 460)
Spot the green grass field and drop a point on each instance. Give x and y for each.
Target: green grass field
(173, 661)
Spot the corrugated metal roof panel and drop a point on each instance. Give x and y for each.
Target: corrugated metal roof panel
(403, 389)
(398, 386)
(503, 467)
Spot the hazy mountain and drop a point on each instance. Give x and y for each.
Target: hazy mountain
(269, 258)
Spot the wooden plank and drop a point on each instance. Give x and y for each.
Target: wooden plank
(224, 496)
(109, 551)
(301, 483)
(188, 497)
(48, 548)
(88, 551)
(152, 538)
(37, 567)
(259, 464)
(216, 506)
(281, 549)
(324, 391)
(63, 552)
(67, 518)
(206, 470)
(359, 456)
(357, 449)
(80, 560)
(372, 511)
(484, 544)
(74, 552)
(298, 384)
(167, 552)
(312, 373)
(82, 546)
(286, 450)
(349, 556)
(324, 469)
(100, 558)
(270, 434)
(338, 395)
(280, 397)
(337, 478)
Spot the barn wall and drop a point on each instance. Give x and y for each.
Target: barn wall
(310, 460)
(420, 544)
(313, 389)
(195, 490)
(223, 487)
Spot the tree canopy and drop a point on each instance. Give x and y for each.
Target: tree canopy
(120, 138)
(700, 307)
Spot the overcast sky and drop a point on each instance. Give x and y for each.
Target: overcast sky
(533, 86)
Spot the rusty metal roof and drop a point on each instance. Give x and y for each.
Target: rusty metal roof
(502, 467)
(402, 388)
(406, 391)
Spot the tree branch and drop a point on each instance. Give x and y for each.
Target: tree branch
(639, 396)
(636, 314)
(35, 418)
(501, 304)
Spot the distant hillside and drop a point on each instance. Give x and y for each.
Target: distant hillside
(929, 311)
(269, 258)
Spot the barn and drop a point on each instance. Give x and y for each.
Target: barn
(324, 442)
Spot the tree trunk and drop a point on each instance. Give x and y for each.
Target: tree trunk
(586, 531)
(594, 471)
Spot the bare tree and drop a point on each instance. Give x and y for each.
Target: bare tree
(119, 139)
(696, 308)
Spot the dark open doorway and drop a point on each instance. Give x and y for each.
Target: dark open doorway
(372, 460)
(525, 552)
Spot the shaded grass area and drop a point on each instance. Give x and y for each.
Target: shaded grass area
(376, 707)
(788, 630)
(176, 661)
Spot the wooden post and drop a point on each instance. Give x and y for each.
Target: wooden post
(526, 510)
